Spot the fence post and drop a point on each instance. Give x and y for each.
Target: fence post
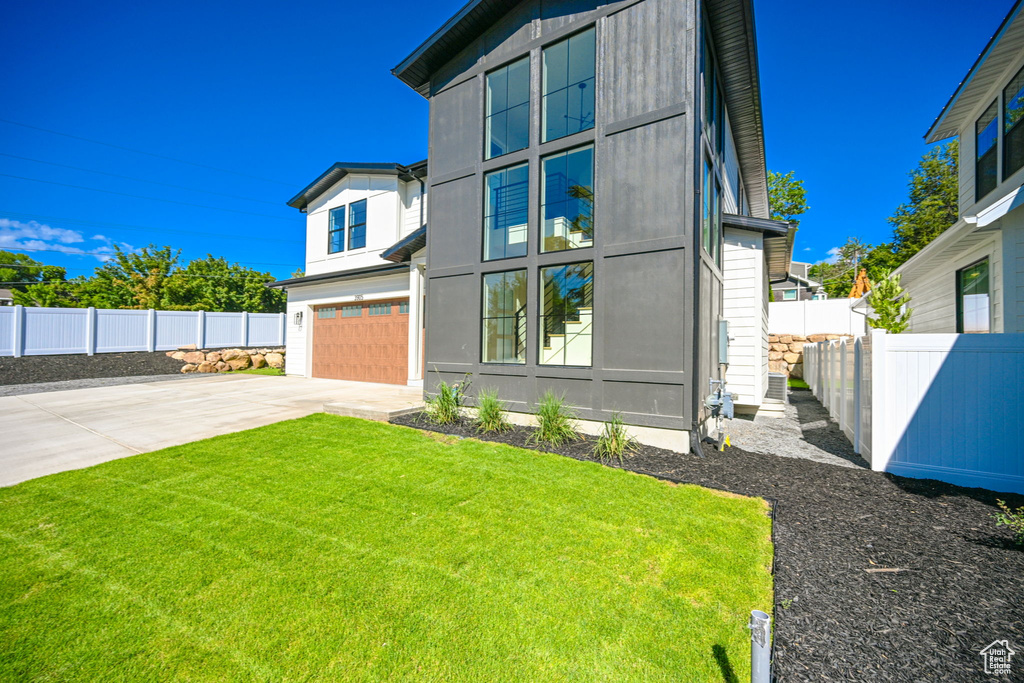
(881, 449)
(18, 327)
(283, 329)
(151, 330)
(201, 329)
(90, 331)
(842, 385)
(858, 370)
(245, 329)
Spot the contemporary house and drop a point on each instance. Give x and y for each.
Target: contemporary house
(6, 297)
(357, 311)
(971, 278)
(799, 286)
(586, 158)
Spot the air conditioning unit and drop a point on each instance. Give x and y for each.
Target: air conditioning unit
(776, 388)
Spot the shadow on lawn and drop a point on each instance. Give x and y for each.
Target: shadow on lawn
(722, 657)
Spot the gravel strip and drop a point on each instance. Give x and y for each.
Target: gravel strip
(37, 369)
(44, 387)
(877, 577)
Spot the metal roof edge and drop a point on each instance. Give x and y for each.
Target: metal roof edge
(356, 273)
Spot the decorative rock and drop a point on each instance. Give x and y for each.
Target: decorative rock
(206, 367)
(777, 366)
(239, 363)
(786, 339)
(773, 338)
(177, 355)
(232, 354)
(774, 355)
(797, 347)
(194, 357)
(169, 354)
(187, 368)
(799, 338)
(258, 360)
(797, 371)
(815, 338)
(791, 358)
(830, 337)
(187, 347)
(223, 367)
(779, 347)
(213, 357)
(275, 360)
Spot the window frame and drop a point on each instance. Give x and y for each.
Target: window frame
(541, 315)
(542, 134)
(960, 295)
(484, 318)
(1004, 131)
(485, 216)
(352, 226)
(487, 156)
(332, 229)
(993, 150)
(543, 192)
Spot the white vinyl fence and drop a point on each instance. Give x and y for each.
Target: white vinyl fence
(830, 316)
(46, 331)
(936, 406)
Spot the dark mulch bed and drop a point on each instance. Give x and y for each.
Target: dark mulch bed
(31, 369)
(960, 581)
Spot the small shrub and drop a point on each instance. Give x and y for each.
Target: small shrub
(1011, 518)
(556, 423)
(490, 413)
(446, 406)
(615, 441)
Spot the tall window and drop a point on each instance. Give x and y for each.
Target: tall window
(506, 207)
(568, 86)
(972, 299)
(567, 314)
(357, 225)
(336, 230)
(986, 131)
(567, 200)
(1013, 134)
(504, 317)
(710, 214)
(714, 111)
(508, 108)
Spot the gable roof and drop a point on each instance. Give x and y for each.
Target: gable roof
(732, 27)
(343, 168)
(1002, 50)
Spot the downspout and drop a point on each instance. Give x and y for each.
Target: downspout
(423, 189)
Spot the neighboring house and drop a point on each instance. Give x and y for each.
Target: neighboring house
(6, 297)
(582, 155)
(798, 286)
(971, 277)
(357, 311)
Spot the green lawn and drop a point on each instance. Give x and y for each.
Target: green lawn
(262, 371)
(797, 383)
(333, 548)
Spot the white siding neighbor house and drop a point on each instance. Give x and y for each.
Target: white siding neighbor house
(971, 278)
(357, 311)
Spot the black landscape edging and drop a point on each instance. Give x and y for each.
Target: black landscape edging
(958, 584)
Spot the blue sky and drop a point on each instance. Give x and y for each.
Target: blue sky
(260, 97)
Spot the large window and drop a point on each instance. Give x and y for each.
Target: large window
(711, 237)
(713, 116)
(1013, 133)
(357, 225)
(972, 299)
(504, 317)
(336, 230)
(567, 314)
(986, 132)
(567, 200)
(506, 207)
(508, 108)
(568, 86)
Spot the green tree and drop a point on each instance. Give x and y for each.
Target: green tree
(214, 284)
(130, 279)
(933, 202)
(17, 271)
(838, 277)
(787, 197)
(890, 305)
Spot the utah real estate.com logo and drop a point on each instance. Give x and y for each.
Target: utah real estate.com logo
(997, 657)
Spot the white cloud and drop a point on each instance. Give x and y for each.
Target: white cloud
(35, 236)
(833, 255)
(807, 249)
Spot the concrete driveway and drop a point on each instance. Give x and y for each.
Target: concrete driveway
(46, 433)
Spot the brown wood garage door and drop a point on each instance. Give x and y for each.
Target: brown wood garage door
(363, 341)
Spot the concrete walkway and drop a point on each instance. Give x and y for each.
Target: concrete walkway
(45, 433)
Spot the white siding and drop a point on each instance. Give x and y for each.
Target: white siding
(1013, 269)
(411, 207)
(933, 288)
(744, 307)
(731, 171)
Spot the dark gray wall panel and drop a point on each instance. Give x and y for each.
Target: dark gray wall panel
(650, 399)
(516, 390)
(644, 51)
(510, 37)
(555, 14)
(641, 184)
(645, 298)
(456, 124)
(577, 392)
(453, 320)
(454, 205)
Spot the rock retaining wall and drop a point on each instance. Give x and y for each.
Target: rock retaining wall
(227, 360)
(786, 351)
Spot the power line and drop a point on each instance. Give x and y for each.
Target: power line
(130, 227)
(139, 151)
(141, 180)
(137, 196)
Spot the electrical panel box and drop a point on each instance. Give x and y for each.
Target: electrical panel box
(723, 342)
